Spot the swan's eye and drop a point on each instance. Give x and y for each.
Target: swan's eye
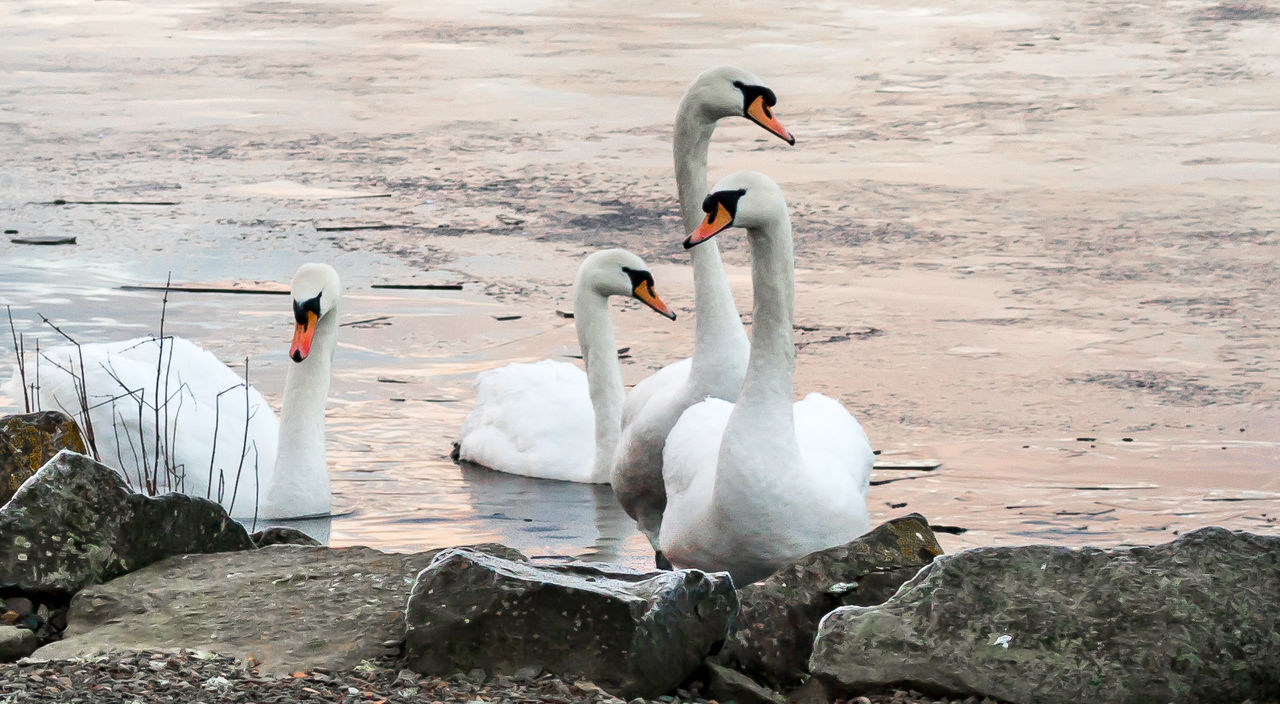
(300, 309)
(638, 277)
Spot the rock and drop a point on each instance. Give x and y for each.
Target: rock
(16, 643)
(29, 440)
(633, 633)
(282, 535)
(1188, 621)
(725, 685)
(19, 604)
(76, 523)
(288, 607)
(779, 616)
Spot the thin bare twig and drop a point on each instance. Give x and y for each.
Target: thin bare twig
(22, 363)
(82, 391)
(244, 442)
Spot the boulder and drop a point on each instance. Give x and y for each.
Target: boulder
(29, 440)
(76, 523)
(285, 607)
(1194, 620)
(779, 616)
(636, 634)
(17, 643)
(725, 685)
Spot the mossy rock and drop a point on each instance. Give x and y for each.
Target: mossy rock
(29, 440)
(779, 615)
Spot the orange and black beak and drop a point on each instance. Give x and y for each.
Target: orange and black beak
(303, 333)
(718, 220)
(645, 293)
(759, 111)
(721, 208)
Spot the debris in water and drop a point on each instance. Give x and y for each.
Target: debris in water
(421, 287)
(209, 289)
(367, 322)
(40, 240)
(922, 465)
(357, 226)
(63, 201)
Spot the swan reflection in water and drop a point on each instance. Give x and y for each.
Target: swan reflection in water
(544, 518)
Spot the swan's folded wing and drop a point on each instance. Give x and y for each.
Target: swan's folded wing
(832, 439)
(120, 384)
(693, 447)
(533, 420)
(663, 383)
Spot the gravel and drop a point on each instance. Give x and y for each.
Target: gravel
(200, 678)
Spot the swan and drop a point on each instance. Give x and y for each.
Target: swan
(720, 346)
(548, 419)
(215, 436)
(754, 485)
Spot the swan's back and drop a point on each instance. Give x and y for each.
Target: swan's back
(833, 444)
(782, 509)
(534, 420)
(662, 383)
(196, 392)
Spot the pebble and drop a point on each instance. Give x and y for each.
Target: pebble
(185, 677)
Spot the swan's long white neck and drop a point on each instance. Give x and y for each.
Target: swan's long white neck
(720, 343)
(759, 443)
(604, 374)
(300, 482)
(771, 367)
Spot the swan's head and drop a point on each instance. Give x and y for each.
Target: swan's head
(732, 92)
(316, 290)
(617, 272)
(746, 199)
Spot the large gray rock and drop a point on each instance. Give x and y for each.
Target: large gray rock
(636, 634)
(29, 440)
(1194, 620)
(773, 635)
(16, 643)
(287, 607)
(76, 523)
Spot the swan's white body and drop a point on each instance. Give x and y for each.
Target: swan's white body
(755, 485)
(720, 350)
(533, 419)
(203, 429)
(549, 419)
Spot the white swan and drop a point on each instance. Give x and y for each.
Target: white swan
(755, 485)
(199, 439)
(548, 419)
(720, 347)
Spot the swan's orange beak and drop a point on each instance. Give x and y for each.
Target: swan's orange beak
(716, 222)
(303, 333)
(762, 115)
(644, 292)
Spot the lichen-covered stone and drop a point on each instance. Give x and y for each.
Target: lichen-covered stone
(779, 616)
(636, 634)
(29, 440)
(286, 607)
(282, 535)
(76, 523)
(1194, 620)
